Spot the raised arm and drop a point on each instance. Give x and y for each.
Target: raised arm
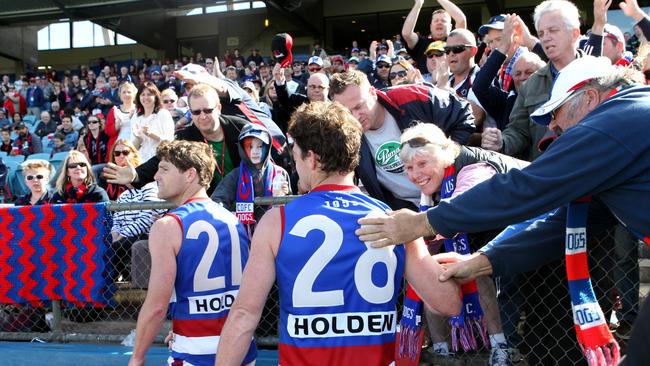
(408, 29)
(456, 14)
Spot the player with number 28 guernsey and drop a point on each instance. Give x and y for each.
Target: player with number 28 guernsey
(337, 295)
(198, 252)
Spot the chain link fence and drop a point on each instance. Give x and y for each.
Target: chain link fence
(534, 307)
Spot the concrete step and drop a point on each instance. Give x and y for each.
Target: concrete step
(644, 270)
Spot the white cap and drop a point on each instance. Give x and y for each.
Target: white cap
(575, 75)
(315, 60)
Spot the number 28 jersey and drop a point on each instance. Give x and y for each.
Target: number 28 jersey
(337, 295)
(209, 268)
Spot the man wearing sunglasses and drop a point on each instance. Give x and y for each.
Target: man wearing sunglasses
(439, 29)
(382, 69)
(383, 116)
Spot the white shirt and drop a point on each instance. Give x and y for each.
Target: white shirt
(160, 124)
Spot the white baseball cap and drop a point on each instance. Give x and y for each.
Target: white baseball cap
(574, 76)
(315, 60)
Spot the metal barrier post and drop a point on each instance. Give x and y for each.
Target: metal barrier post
(56, 311)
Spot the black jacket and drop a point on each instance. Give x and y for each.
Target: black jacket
(231, 126)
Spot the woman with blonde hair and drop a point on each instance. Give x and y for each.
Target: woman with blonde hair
(402, 72)
(118, 120)
(76, 183)
(122, 153)
(37, 174)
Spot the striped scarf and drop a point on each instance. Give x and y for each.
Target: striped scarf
(505, 76)
(594, 337)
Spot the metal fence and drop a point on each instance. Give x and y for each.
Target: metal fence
(534, 307)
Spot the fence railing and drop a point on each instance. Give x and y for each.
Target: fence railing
(534, 307)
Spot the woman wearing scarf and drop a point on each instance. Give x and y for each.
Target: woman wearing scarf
(257, 175)
(76, 183)
(442, 169)
(95, 142)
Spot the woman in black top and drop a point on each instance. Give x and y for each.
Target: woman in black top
(77, 184)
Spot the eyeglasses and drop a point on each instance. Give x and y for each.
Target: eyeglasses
(457, 49)
(168, 101)
(393, 75)
(117, 153)
(416, 142)
(197, 112)
(314, 87)
(433, 54)
(92, 122)
(383, 65)
(76, 165)
(314, 69)
(32, 177)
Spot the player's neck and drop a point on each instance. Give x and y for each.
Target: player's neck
(190, 194)
(346, 179)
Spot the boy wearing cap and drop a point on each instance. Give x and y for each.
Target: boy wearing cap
(382, 69)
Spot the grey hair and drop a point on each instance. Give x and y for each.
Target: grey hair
(621, 76)
(566, 9)
(440, 147)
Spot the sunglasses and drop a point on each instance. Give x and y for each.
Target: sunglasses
(383, 66)
(117, 153)
(435, 54)
(314, 69)
(416, 142)
(457, 49)
(197, 112)
(76, 165)
(168, 101)
(32, 177)
(92, 122)
(393, 75)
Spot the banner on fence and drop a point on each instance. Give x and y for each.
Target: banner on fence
(55, 252)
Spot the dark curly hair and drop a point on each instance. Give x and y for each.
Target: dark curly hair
(329, 130)
(188, 154)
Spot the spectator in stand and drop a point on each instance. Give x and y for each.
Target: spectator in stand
(314, 65)
(4, 121)
(264, 73)
(437, 68)
(17, 117)
(71, 136)
(237, 56)
(338, 64)
(35, 98)
(298, 74)
(46, 125)
(118, 121)
(7, 144)
(95, 142)
(26, 143)
(37, 175)
(130, 227)
(152, 124)
(169, 100)
(209, 65)
(353, 63)
(380, 76)
(381, 49)
(383, 114)
(317, 90)
(75, 85)
(439, 28)
(231, 73)
(157, 80)
(124, 75)
(318, 51)
(255, 56)
(76, 183)
(403, 73)
(270, 98)
(365, 64)
(111, 95)
(57, 144)
(614, 45)
(58, 95)
(15, 102)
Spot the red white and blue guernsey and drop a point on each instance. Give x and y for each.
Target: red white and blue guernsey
(209, 264)
(337, 295)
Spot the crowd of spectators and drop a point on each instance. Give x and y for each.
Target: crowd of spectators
(478, 86)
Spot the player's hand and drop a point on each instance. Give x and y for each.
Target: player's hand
(465, 268)
(491, 139)
(632, 9)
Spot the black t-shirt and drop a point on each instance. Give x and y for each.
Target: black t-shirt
(417, 52)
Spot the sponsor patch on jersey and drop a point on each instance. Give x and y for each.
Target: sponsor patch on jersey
(341, 325)
(212, 304)
(387, 157)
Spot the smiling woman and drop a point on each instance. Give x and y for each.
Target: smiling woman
(76, 183)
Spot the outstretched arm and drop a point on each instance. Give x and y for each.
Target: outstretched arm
(456, 14)
(408, 29)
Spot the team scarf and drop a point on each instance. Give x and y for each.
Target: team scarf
(506, 71)
(594, 337)
(56, 252)
(245, 202)
(410, 336)
(471, 318)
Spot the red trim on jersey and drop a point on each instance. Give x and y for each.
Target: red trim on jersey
(199, 327)
(382, 354)
(281, 226)
(178, 220)
(335, 187)
(194, 199)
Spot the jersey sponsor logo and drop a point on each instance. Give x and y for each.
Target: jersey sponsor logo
(341, 325)
(588, 315)
(387, 157)
(212, 304)
(576, 240)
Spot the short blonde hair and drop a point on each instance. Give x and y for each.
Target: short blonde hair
(128, 85)
(63, 177)
(35, 164)
(170, 93)
(439, 146)
(203, 90)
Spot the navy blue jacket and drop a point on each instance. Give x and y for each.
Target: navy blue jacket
(606, 156)
(416, 102)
